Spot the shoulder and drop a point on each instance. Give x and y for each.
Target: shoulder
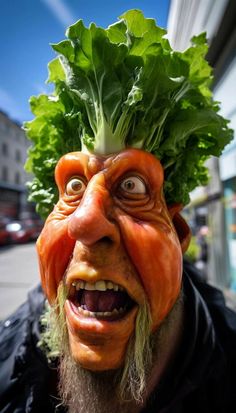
(223, 318)
(22, 368)
(16, 325)
(218, 386)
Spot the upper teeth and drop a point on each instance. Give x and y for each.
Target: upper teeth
(100, 285)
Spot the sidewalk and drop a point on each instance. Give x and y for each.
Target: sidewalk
(18, 274)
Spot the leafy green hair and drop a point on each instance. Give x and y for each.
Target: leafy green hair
(125, 87)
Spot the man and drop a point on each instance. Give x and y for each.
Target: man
(128, 328)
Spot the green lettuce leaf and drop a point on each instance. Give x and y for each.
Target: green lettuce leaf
(125, 87)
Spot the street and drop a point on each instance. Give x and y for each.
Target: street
(18, 274)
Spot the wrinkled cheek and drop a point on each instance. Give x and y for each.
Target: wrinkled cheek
(54, 248)
(157, 257)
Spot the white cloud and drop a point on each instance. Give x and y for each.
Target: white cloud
(9, 105)
(5, 98)
(41, 88)
(60, 11)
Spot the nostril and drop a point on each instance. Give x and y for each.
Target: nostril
(105, 240)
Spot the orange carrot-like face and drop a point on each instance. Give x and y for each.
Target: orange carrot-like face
(111, 239)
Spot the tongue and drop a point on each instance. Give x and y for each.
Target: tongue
(102, 301)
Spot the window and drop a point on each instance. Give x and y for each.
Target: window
(4, 149)
(17, 178)
(18, 155)
(5, 173)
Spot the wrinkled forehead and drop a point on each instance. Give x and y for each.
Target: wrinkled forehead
(112, 166)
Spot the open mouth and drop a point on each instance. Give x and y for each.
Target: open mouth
(103, 300)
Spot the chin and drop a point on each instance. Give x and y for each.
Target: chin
(96, 358)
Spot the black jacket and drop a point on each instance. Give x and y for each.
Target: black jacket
(202, 378)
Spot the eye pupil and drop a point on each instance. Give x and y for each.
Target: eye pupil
(133, 185)
(76, 185)
(129, 185)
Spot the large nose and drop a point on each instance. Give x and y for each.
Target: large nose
(92, 220)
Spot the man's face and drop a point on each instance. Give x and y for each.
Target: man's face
(111, 240)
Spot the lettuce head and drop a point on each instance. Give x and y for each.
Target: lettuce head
(122, 87)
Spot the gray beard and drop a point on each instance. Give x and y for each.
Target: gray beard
(124, 390)
(84, 391)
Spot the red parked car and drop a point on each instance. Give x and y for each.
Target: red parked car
(15, 232)
(4, 235)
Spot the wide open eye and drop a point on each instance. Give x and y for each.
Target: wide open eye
(75, 186)
(133, 185)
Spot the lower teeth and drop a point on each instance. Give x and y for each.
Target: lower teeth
(88, 313)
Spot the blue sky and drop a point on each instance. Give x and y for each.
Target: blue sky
(27, 27)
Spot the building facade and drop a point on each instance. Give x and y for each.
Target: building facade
(13, 178)
(216, 204)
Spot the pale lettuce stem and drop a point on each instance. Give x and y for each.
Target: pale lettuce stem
(104, 136)
(157, 130)
(122, 126)
(156, 142)
(99, 86)
(181, 92)
(113, 116)
(151, 104)
(170, 163)
(90, 116)
(95, 106)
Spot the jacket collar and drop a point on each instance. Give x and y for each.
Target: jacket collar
(198, 356)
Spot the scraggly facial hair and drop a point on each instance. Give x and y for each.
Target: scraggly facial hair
(121, 390)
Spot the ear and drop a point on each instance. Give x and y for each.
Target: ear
(181, 226)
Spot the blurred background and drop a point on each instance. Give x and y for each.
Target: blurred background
(27, 28)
